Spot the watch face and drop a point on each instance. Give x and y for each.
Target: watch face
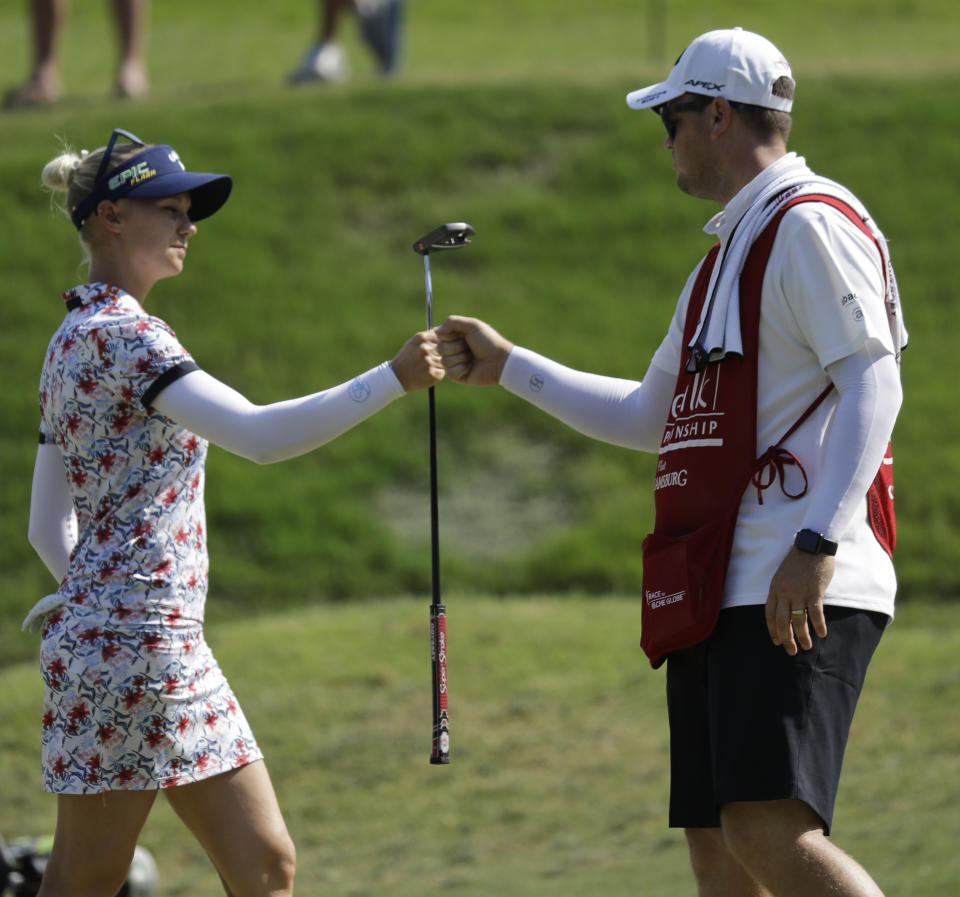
(814, 543)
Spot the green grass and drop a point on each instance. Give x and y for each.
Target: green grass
(558, 784)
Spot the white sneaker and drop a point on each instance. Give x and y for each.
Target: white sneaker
(321, 62)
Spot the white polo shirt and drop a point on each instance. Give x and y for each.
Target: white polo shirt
(822, 300)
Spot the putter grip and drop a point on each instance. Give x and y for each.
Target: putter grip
(438, 661)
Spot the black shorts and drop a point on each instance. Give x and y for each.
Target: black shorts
(748, 722)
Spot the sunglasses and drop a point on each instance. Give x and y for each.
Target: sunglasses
(100, 188)
(669, 111)
(108, 152)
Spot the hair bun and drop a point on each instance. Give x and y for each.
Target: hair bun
(59, 172)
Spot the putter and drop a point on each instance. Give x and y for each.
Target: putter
(447, 236)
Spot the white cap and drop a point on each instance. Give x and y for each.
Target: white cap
(731, 63)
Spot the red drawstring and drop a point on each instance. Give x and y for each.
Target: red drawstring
(775, 458)
(772, 463)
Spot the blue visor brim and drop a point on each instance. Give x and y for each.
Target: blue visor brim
(207, 191)
(154, 173)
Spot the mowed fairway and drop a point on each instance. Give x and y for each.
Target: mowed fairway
(510, 116)
(558, 780)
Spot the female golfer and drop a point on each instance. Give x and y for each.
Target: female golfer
(134, 700)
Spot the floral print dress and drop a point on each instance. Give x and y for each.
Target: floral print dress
(133, 697)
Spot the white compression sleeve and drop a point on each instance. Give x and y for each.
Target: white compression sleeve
(269, 433)
(53, 523)
(868, 383)
(630, 413)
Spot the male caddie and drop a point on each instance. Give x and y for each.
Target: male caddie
(768, 579)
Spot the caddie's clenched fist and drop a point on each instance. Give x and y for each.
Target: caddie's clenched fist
(472, 351)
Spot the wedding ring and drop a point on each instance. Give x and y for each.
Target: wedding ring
(801, 613)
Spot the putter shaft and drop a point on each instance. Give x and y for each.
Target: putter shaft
(434, 501)
(428, 281)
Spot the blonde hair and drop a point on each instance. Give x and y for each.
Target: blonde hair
(75, 173)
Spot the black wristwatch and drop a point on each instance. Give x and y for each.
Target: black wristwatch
(812, 542)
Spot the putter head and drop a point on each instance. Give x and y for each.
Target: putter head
(447, 236)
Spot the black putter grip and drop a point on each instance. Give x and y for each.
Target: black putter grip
(440, 752)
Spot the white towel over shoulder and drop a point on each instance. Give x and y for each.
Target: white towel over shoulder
(718, 331)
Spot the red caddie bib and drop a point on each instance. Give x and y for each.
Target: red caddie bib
(708, 458)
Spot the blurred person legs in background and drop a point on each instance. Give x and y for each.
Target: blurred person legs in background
(46, 25)
(380, 26)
